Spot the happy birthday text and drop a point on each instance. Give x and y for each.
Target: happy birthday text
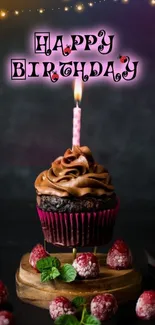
(87, 56)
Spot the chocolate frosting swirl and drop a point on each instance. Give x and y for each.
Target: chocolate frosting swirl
(75, 174)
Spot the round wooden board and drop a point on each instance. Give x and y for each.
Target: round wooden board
(124, 284)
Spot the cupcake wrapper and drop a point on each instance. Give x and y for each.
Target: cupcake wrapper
(78, 229)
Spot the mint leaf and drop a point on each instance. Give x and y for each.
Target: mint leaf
(67, 273)
(91, 320)
(45, 276)
(47, 263)
(55, 262)
(49, 274)
(66, 320)
(78, 301)
(54, 273)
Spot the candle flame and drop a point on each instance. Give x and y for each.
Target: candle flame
(78, 90)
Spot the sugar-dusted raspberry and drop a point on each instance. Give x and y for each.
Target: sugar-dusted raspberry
(60, 306)
(145, 307)
(103, 306)
(3, 293)
(119, 256)
(37, 253)
(6, 318)
(86, 265)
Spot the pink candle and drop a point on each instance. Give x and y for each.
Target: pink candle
(77, 113)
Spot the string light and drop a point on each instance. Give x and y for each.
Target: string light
(78, 7)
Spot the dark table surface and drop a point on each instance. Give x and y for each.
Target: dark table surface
(20, 231)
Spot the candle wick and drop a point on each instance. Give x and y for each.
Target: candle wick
(77, 104)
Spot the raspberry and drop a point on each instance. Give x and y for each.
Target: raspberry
(6, 318)
(3, 293)
(86, 265)
(37, 253)
(60, 306)
(145, 307)
(103, 306)
(119, 256)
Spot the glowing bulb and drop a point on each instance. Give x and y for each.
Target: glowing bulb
(66, 8)
(125, 1)
(152, 2)
(79, 7)
(3, 14)
(41, 10)
(90, 4)
(16, 12)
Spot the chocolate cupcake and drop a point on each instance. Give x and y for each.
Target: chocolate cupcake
(76, 201)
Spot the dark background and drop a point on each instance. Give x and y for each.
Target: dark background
(36, 127)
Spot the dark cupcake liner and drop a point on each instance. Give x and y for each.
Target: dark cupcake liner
(78, 229)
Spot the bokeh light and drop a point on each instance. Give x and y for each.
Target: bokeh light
(3, 14)
(152, 2)
(66, 8)
(41, 10)
(79, 7)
